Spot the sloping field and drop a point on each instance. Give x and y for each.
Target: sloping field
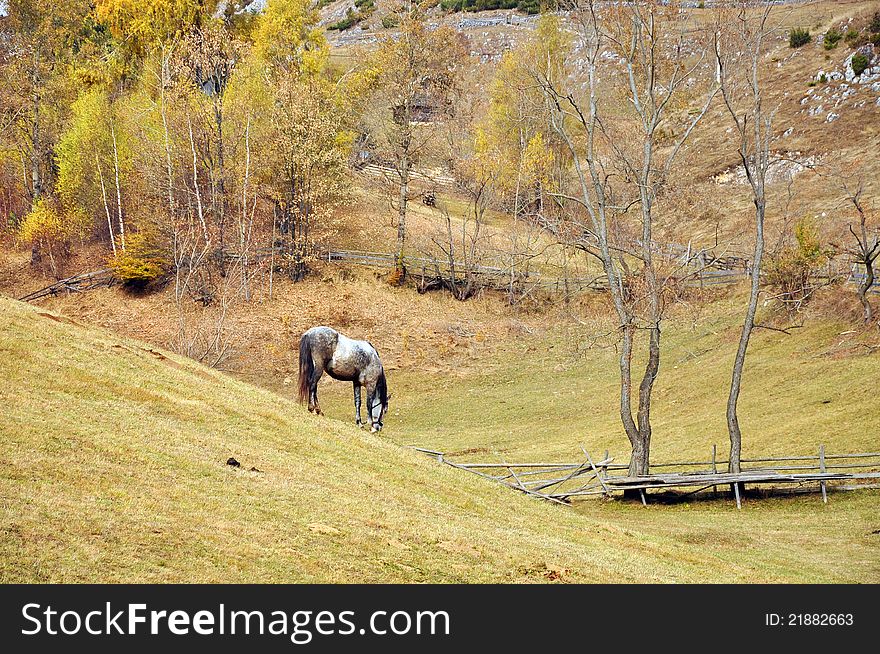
(112, 468)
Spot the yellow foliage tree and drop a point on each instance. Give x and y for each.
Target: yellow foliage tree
(49, 231)
(287, 37)
(144, 23)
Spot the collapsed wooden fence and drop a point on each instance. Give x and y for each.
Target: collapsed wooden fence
(560, 482)
(76, 284)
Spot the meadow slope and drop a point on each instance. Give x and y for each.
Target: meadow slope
(113, 469)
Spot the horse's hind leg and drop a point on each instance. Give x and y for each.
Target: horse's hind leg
(357, 405)
(313, 391)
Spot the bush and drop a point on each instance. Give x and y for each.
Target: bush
(799, 37)
(859, 63)
(832, 38)
(854, 38)
(789, 272)
(350, 19)
(874, 26)
(389, 21)
(143, 261)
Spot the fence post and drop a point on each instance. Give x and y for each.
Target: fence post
(605, 467)
(822, 470)
(714, 469)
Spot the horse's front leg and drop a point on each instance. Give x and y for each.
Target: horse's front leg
(357, 405)
(371, 400)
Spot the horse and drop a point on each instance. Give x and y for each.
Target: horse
(324, 349)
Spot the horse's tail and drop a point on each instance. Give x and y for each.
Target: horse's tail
(306, 366)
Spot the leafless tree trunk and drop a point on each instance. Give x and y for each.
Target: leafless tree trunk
(118, 188)
(403, 198)
(635, 33)
(866, 249)
(106, 205)
(753, 124)
(164, 80)
(198, 193)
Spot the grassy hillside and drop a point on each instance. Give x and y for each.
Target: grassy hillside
(545, 395)
(113, 469)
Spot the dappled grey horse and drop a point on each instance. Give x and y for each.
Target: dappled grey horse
(325, 349)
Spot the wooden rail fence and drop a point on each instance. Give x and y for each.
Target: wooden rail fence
(559, 482)
(698, 269)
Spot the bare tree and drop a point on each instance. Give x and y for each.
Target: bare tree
(866, 249)
(416, 78)
(740, 49)
(648, 52)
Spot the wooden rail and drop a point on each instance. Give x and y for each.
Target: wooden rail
(559, 482)
(76, 284)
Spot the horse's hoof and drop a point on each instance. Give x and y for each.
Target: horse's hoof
(360, 425)
(373, 430)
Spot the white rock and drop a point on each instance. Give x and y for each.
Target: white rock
(831, 117)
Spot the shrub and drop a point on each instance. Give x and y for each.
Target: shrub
(832, 38)
(799, 37)
(874, 26)
(859, 63)
(389, 21)
(789, 272)
(854, 38)
(143, 261)
(350, 19)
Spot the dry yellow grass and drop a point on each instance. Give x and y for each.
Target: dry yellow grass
(113, 470)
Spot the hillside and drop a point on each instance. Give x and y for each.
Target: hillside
(113, 469)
